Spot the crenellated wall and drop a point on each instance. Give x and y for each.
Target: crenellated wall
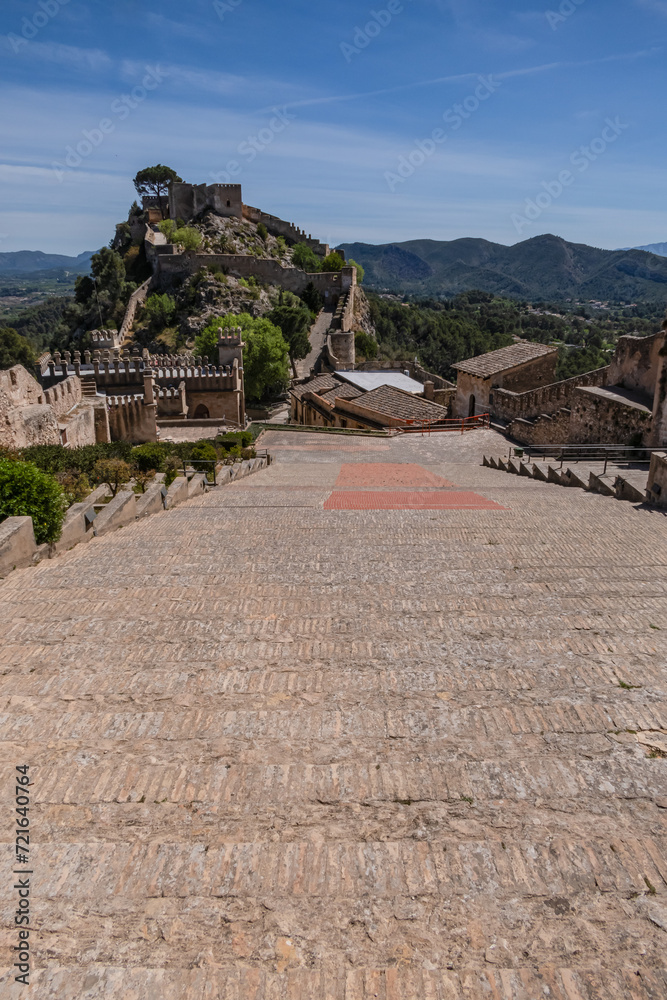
(188, 200)
(132, 419)
(278, 227)
(63, 396)
(329, 283)
(508, 405)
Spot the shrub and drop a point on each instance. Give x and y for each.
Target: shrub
(262, 231)
(313, 298)
(201, 457)
(15, 349)
(114, 472)
(306, 258)
(247, 453)
(75, 484)
(334, 262)
(26, 491)
(366, 345)
(53, 458)
(150, 456)
(243, 438)
(168, 227)
(189, 239)
(360, 270)
(159, 311)
(171, 470)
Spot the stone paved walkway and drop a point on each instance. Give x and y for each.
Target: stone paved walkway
(287, 753)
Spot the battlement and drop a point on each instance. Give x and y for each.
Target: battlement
(64, 396)
(189, 200)
(106, 339)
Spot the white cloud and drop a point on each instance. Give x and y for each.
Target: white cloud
(70, 56)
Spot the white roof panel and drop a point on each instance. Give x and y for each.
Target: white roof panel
(373, 380)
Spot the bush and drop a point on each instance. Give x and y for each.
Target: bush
(114, 472)
(201, 457)
(262, 231)
(53, 458)
(75, 484)
(26, 491)
(334, 262)
(366, 345)
(243, 438)
(361, 272)
(150, 456)
(171, 470)
(313, 298)
(159, 310)
(306, 258)
(168, 227)
(189, 239)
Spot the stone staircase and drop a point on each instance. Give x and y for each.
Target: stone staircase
(88, 385)
(624, 482)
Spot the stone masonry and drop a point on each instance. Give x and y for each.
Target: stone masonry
(374, 723)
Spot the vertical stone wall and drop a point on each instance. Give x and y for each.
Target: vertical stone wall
(132, 419)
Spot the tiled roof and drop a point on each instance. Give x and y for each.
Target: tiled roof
(393, 402)
(486, 365)
(341, 391)
(320, 385)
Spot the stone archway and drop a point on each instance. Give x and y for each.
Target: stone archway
(201, 413)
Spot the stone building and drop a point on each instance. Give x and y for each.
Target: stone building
(359, 401)
(31, 414)
(622, 403)
(519, 367)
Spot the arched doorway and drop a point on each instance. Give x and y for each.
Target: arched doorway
(471, 406)
(201, 413)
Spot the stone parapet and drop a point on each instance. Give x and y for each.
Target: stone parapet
(508, 405)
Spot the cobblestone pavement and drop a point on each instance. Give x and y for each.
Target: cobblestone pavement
(287, 753)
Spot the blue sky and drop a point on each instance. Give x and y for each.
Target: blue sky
(340, 117)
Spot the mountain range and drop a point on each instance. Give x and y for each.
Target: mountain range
(31, 261)
(543, 268)
(658, 248)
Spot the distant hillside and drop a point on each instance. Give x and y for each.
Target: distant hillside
(657, 248)
(543, 268)
(32, 261)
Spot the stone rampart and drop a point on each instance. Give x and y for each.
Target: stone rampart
(508, 405)
(132, 419)
(278, 227)
(329, 283)
(64, 396)
(137, 299)
(189, 200)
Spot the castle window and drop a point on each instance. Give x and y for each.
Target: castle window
(229, 204)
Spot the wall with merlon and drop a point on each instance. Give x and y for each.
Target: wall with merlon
(278, 227)
(64, 396)
(329, 283)
(508, 405)
(131, 419)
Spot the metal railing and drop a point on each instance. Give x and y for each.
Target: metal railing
(428, 427)
(617, 453)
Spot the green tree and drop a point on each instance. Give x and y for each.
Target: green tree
(201, 457)
(26, 491)
(334, 262)
(15, 349)
(306, 258)
(159, 311)
(150, 456)
(313, 298)
(99, 300)
(294, 322)
(360, 270)
(155, 181)
(365, 345)
(262, 232)
(265, 355)
(113, 472)
(168, 227)
(189, 238)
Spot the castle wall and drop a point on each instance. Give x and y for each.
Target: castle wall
(329, 283)
(635, 364)
(187, 200)
(551, 428)
(132, 419)
(598, 418)
(531, 375)
(278, 227)
(508, 405)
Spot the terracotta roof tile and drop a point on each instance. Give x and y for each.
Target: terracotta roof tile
(393, 402)
(486, 365)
